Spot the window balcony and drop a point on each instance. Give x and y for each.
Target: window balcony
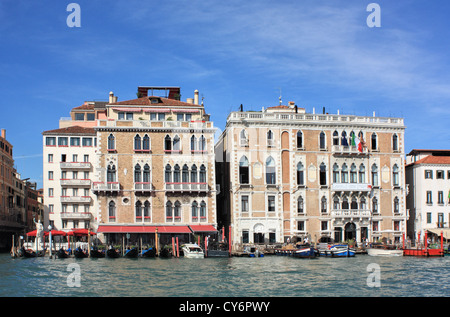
(105, 187)
(349, 187)
(76, 199)
(76, 215)
(350, 213)
(143, 186)
(187, 187)
(348, 150)
(75, 182)
(75, 165)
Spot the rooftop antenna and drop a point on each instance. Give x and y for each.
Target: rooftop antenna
(203, 98)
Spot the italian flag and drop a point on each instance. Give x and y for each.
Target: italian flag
(357, 143)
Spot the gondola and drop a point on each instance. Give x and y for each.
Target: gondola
(62, 254)
(149, 253)
(165, 253)
(132, 253)
(113, 253)
(28, 253)
(96, 253)
(79, 253)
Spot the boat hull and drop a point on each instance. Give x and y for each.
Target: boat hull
(80, 254)
(62, 254)
(112, 253)
(384, 252)
(133, 253)
(149, 253)
(97, 254)
(338, 251)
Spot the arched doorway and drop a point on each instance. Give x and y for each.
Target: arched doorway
(350, 231)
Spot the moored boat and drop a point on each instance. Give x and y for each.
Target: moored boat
(62, 254)
(131, 253)
(384, 250)
(149, 253)
(96, 253)
(28, 253)
(165, 252)
(338, 250)
(112, 253)
(192, 251)
(305, 251)
(79, 253)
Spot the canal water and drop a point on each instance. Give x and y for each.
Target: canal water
(270, 276)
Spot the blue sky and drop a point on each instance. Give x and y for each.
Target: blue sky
(319, 53)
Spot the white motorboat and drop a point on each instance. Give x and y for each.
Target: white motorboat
(192, 251)
(384, 250)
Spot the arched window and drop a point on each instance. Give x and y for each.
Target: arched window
(374, 205)
(137, 142)
(354, 204)
(193, 143)
(168, 174)
(299, 140)
(270, 141)
(395, 142)
(202, 176)
(112, 211)
(344, 174)
(374, 175)
(194, 211)
(137, 174)
(176, 174)
(167, 143)
(300, 206)
(146, 143)
(362, 174)
(177, 211)
(335, 138)
(111, 142)
(194, 178)
(300, 174)
(336, 203)
(185, 174)
(374, 141)
(202, 143)
(111, 174)
(270, 171)
(176, 143)
(243, 170)
(344, 140)
(362, 203)
(353, 174)
(323, 205)
(345, 203)
(147, 211)
(169, 211)
(396, 205)
(322, 143)
(203, 211)
(336, 173)
(323, 174)
(146, 178)
(395, 178)
(138, 211)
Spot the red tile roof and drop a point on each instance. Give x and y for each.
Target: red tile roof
(85, 106)
(71, 130)
(146, 101)
(441, 160)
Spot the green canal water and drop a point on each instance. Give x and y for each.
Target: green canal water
(270, 276)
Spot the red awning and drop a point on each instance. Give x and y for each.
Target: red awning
(142, 229)
(55, 233)
(81, 232)
(203, 228)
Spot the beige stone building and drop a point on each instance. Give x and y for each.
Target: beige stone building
(285, 173)
(155, 168)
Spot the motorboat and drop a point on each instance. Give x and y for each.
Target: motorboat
(192, 251)
(338, 250)
(305, 251)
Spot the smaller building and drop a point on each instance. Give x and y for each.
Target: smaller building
(427, 175)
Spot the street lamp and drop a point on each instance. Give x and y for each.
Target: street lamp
(50, 238)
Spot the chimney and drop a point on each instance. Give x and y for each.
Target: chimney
(190, 100)
(296, 109)
(291, 104)
(196, 97)
(111, 97)
(4, 134)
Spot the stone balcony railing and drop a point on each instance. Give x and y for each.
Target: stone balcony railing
(350, 213)
(76, 199)
(187, 187)
(361, 187)
(76, 215)
(75, 182)
(75, 165)
(106, 187)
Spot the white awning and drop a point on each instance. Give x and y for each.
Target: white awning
(127, 109)
(446, 232)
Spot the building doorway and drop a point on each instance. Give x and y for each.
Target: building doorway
(350, 231)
